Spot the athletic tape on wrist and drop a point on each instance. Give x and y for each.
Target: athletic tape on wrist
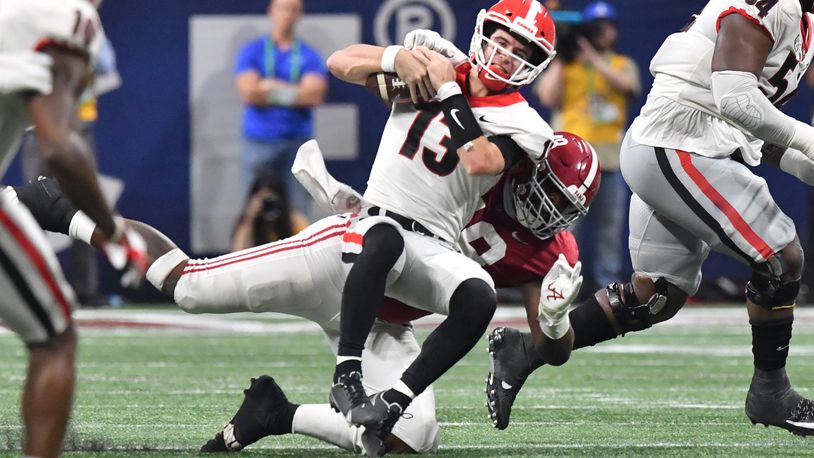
(448, 89)
(81, 227)
(556, 330)
(161, 268)
(389, 58)
(463, 127)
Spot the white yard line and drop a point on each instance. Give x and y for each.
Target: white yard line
(159, 321)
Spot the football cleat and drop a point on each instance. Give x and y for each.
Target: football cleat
(509, 370)
(772, 401)
(378, 417)
(265, 412)
(346, 393)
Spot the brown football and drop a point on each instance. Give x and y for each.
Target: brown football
(388, 87)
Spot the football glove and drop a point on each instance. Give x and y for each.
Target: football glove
(559, 289)
(433, 40)
(25, 71)
(126, 251)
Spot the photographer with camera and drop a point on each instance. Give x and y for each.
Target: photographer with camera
(588, 87)
(266, 216)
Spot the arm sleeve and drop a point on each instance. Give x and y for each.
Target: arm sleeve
(798, 164)
(510, 150)
(739, 100)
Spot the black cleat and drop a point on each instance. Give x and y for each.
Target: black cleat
(509, 369)
(265, 412)
(378, 417)
(346, 393)
(772, 401)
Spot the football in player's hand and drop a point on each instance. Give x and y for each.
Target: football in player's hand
(389, 87)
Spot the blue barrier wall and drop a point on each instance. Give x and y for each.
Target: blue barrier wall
(143, 132)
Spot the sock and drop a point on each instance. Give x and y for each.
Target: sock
(470, 309)
(322, 422)
(770, 343)
(404, 389)
(161, 268)
(590, 324)
(533, 357)
(393, 395)
(364, 288)
(346, 367)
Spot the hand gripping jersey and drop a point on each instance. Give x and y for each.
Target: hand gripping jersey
(680, 112)
(511, 254)
(33, 25)
(418, 174)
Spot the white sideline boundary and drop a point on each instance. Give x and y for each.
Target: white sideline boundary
(177, 321)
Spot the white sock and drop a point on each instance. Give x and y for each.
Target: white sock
(81, 227)
(161, 268)
(404, 389)
(322, 422)
(342, 359)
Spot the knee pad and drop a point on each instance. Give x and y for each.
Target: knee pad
(767, 287)
(631, 314)
(475, 297)
(47, 203)
(386, 241)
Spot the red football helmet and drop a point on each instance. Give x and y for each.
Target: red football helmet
(526, 19)
(551, 195)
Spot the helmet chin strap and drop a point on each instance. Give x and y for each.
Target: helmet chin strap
(491, 83)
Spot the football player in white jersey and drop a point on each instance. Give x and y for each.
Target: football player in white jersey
(437, 156)
(305, 274)
(45, 48)
(712, 108)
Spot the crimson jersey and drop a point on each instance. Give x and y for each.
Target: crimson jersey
(509, 252)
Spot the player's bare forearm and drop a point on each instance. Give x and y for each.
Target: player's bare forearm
(356, 62)
(66, 153)
(554, 352)
(484, 158)
(76, 174)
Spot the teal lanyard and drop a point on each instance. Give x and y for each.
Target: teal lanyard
(271, 60)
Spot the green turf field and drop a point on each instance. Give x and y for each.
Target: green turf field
(678, 390)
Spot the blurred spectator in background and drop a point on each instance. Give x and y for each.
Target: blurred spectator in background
(266, 216)
(588, 87)
(83, 273)
(280, 79)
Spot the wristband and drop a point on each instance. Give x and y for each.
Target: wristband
(448, 89)
(389, 58)
(81, 227)
(463, 127)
